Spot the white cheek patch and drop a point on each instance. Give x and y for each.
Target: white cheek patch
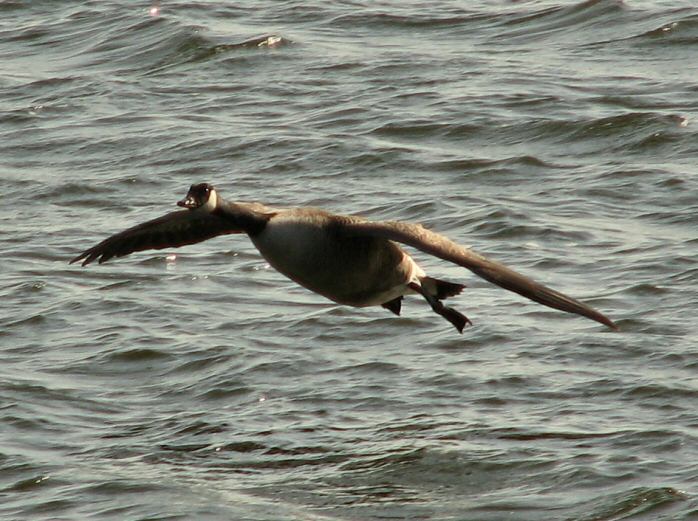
(212, 202)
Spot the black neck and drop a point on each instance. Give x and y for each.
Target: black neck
(246, 217)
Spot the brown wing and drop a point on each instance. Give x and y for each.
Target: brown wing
(435, 244)
(172, 230)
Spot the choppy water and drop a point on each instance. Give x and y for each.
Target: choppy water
(559, 137)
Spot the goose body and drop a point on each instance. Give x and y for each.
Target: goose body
(346, 259)
(307, 245)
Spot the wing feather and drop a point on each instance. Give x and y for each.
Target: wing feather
(436, 244)
(172, 230)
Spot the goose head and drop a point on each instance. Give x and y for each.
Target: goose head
(202, 195)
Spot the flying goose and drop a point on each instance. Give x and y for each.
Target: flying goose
(348, 259)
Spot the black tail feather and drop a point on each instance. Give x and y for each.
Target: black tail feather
(442, 289)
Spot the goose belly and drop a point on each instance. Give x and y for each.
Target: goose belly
(357, 271)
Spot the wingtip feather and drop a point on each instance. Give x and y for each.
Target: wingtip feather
(603, 319)
(77, 259)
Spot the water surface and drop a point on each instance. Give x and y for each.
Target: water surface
(557, 137)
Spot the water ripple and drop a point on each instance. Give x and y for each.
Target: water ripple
(200, 384)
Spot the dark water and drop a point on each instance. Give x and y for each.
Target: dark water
(559, 137)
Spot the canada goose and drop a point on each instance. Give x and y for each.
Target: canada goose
(347, 259)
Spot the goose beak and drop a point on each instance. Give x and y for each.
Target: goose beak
(187, 202)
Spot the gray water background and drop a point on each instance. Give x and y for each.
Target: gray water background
(558, 137)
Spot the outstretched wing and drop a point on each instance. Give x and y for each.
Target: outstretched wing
(172, 230)
(435, 244)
